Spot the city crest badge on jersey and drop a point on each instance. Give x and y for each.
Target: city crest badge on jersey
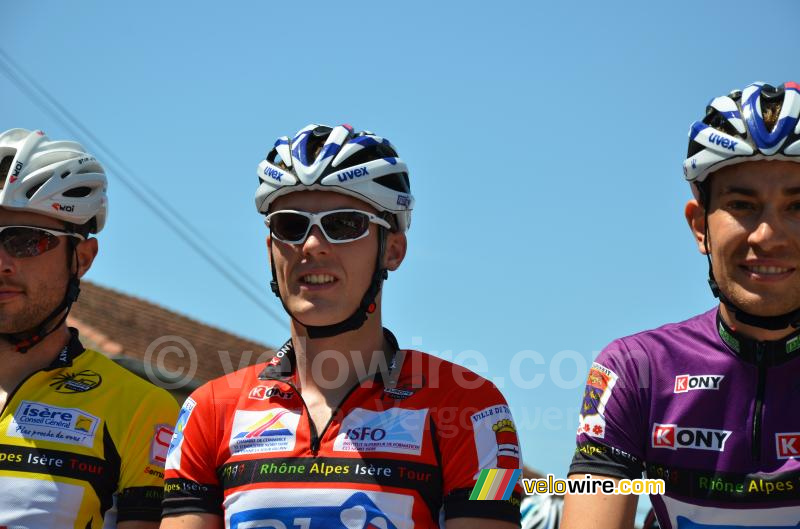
(258, 432)
(599, 385)
(496, 439)
(395, 430)
(787, 445)
(43, 422)
(79, 382)
(686, 383)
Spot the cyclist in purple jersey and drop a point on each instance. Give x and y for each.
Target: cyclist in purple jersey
(710, 405)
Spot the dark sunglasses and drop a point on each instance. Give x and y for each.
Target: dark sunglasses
(30, 241)
(338, 226)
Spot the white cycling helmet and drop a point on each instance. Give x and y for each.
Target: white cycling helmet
(734, 130)
(359, 164)
(54, 178)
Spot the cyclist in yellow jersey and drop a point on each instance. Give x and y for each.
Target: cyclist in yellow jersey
(82, 441)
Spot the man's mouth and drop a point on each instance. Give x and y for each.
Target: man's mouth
(767, 270)
(317, 279)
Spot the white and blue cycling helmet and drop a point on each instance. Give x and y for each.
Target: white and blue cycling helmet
(734, 130)
(338, 159)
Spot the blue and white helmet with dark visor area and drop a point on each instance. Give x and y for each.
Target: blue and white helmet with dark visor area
(338, 159)
(734, 130)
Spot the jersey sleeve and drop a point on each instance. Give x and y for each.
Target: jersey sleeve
(614, 414)
(477, 432)
(142, 456)
(191, 484)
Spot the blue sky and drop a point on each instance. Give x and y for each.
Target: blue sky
(544, 141)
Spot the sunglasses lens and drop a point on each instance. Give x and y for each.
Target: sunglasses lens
(288, 227)
(27, 242)
(345, 225)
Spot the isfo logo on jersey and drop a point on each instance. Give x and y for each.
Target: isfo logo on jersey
(674, 437)
(256, 432)
(787, 445)
(686, 383)
(359, 510)
(395, 430)
(36, 420)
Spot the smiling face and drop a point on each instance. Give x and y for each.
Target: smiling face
(754, 234)
(322, 283)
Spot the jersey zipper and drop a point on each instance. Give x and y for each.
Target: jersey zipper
(316, 437)
(315, 440)
(759, 403)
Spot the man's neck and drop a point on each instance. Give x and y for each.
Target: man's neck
(335, 364)
(16, 366)
(756, 333)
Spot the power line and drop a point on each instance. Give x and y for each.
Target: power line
(152, 200)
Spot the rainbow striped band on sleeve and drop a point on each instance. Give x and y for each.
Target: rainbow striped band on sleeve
(495, 484)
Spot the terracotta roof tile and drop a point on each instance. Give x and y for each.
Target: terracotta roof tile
(121, 324)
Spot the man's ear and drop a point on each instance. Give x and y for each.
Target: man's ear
(696, 217)
(86, 252)
(396, 246)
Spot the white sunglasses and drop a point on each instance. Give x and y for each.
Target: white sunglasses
(338, 225)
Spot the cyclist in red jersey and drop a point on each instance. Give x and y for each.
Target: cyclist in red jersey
(341, 428)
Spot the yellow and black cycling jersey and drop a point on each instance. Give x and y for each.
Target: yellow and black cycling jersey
(83, 445)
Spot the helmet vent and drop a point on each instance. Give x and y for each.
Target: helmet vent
(77, 192)
(65, 174)
(32, 191)
(395, 182)
(5, 167)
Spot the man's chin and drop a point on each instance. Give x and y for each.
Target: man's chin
(759, 306)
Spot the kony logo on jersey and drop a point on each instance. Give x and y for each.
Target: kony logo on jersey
(267, 392)
(685, 383)
(256, 432)
(599, 384)
(787, 445)
(674, 437)
(331, 509)
(395, 430)
(39, 421)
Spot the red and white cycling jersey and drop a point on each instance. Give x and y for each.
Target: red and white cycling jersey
(399, 452)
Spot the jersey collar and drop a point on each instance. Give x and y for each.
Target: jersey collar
(283, 364)
(772, 352)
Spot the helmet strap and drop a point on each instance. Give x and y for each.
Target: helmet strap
(23, 341)
(364, 309)
(771, 323)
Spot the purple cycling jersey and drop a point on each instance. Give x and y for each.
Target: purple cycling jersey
(714, 414)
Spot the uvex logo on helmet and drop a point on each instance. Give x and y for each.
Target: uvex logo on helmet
(344, 176)
(63, 207)
(273, 173)
(15, 174)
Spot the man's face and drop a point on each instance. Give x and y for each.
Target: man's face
(322, 283)
(31, 287)
(754, 235)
